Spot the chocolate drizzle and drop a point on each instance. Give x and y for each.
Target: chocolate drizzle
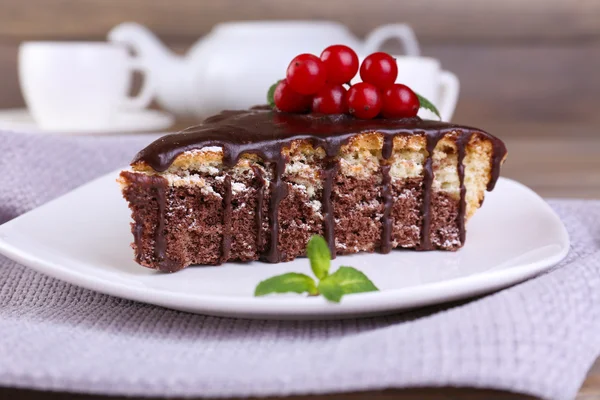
(461, 144)
(138, 230)
(498, 155)
(260, 196)
(265, 133)
(331, 168)
(278, 192)
(160, 240)
(388, 200)
(432, 141)
(227, 214)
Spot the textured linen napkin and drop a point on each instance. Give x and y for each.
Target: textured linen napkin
(539, 337)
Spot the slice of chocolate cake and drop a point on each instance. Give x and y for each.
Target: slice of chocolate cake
(250, 185)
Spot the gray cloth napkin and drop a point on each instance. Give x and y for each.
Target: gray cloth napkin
(539, 337)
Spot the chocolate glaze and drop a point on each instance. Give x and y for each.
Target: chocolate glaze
(227, 214)
(461, 145)
(388, 200)
(265, 133)
(160, 241)
(331, 168)
(278, 192)
(432, 140)
(260, 196)
(138, 231)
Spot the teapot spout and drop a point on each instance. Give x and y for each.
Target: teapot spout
(167, 69)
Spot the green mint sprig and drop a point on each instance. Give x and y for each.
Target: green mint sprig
(271, 94)
(346, 280)
(426, 104)
(319, 256)
(287, 283)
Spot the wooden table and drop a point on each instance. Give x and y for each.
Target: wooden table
(589, 391)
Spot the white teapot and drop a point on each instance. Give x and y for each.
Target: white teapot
(234, 65)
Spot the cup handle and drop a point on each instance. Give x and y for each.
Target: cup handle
(146, 93)
(403, 32)
(450, 87)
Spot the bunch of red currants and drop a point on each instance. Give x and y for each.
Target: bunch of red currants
(316, 84)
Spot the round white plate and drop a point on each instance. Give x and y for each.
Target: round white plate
(20, 120)
(83, 238)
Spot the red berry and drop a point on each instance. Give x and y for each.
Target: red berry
(341, 63)
(289, 101)
(399, 101)
(330, 100)
(306, 74)
(380, 69)
(364, 100)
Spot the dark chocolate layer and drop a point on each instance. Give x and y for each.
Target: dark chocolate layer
(265, 133)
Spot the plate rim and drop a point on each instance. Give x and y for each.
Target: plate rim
(358, 305)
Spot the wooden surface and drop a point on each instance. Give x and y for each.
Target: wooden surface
(529, 72)
(589, 391)
(434, 20)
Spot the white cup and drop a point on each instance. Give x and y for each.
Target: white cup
(71, 85)
(425, 76)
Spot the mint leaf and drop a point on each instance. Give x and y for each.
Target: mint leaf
(346, 280)
(290, 282)
(426, 104)
(271, 94)
(319, 256)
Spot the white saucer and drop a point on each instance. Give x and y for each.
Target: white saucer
(83, 238)
(20, 120)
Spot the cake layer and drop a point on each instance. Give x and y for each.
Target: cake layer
(256, 185)
(195, 225)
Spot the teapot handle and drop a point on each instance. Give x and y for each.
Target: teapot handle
(403, 32)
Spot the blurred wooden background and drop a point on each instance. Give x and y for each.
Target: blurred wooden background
(529, 70)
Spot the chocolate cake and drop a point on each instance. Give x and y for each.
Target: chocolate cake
(255, 185)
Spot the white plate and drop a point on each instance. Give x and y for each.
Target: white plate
(83, 238)
(20, 120)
